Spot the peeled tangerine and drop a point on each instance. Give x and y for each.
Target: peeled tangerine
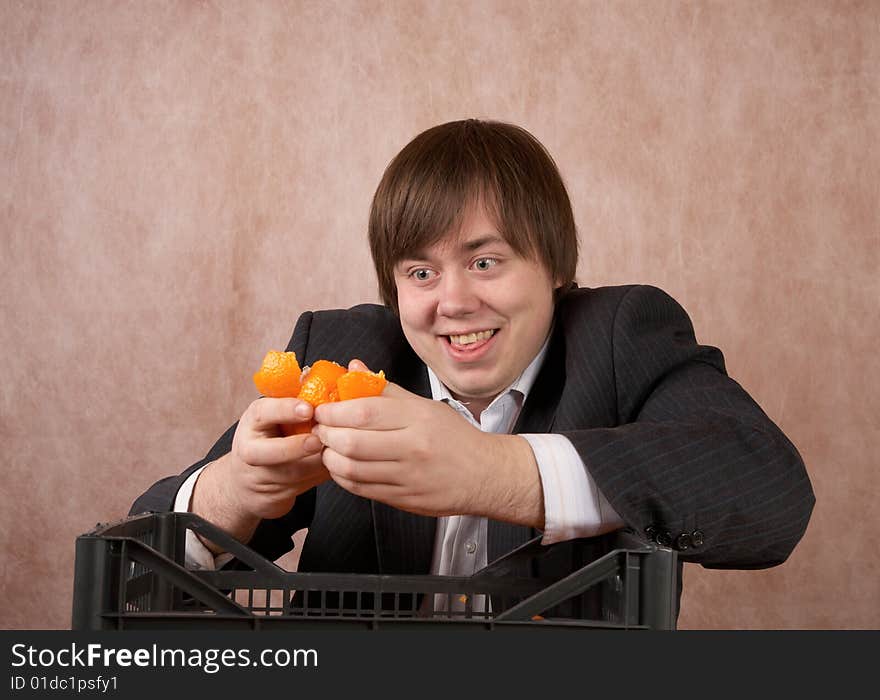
(280, 377)
(319, 385)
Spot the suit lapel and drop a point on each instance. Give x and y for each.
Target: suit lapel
(539, 409)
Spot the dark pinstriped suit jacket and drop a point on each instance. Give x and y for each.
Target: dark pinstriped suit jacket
(675, 445)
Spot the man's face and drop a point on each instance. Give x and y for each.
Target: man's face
(474, 310)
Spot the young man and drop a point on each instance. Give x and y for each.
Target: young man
(519, 403)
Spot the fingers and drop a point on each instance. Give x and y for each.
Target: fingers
(394, 409)
(369, 413)
(257, 441)
(357, 366)
(269, 478)
(373, 445)
(393, 390)
(301, 475)
(264, 451)
(354, 471)
(265, 413)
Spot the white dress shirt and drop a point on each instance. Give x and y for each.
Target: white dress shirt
(573, 505)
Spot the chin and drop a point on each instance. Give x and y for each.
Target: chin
(476, 393)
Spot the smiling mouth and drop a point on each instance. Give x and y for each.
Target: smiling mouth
(466, 339)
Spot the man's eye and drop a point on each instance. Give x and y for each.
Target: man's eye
(484, 264)
(422, 275)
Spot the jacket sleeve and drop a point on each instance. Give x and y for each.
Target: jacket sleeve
(272, 537)
(693, 463)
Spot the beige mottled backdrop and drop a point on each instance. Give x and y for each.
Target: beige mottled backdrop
(181, 179)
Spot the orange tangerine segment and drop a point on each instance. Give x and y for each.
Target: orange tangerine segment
(319, 385)
(358, 384)
(279, 375)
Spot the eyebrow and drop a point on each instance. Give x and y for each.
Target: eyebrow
(482, 241)
(466, 246)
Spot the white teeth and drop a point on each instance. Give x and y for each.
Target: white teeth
(469, 338)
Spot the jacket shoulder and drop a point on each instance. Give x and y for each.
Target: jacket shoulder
(599, 299)
(619, 308)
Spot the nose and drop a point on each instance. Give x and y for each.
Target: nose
(457, 296)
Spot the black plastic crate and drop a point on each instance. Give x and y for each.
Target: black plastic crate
(131, 575)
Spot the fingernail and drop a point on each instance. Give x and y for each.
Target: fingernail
(303, 410)
(312, 444)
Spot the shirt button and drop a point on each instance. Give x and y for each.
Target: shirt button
(471, 547)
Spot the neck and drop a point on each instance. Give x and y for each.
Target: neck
(474, 406)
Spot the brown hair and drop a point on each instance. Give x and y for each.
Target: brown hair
(428, 187)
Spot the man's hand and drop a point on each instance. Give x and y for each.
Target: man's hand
(264, 472)
(421, 456)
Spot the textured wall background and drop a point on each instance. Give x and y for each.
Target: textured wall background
(181, 179)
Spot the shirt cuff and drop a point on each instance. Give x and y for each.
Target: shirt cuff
(573, 505)
(196, 554)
